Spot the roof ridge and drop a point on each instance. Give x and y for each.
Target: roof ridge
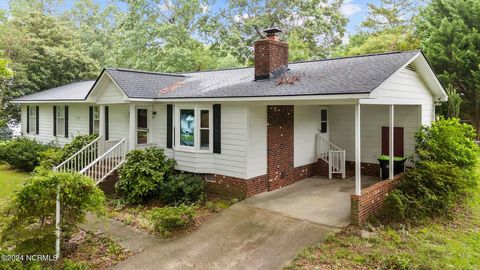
(353, 56)
(146, 72)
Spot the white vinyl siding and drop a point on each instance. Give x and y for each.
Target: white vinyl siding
(257, 141)
(118, 122)
(407, 87)
(373, 117)
(306, 125)
(77, 124)
(107, 92)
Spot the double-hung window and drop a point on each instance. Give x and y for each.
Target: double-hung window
(32, 119)
(324, 121)
(193, 128)
(96, 120)
(60, 117)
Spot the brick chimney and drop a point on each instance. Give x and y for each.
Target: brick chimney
(270, 54)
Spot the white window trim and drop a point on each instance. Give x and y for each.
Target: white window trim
(60, 132)
(196, 148)
(96, 119)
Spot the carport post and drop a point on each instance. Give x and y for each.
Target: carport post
(391, 142)
(358, 180)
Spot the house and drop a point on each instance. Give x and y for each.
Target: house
(248, 130)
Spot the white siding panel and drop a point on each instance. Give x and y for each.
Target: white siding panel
(77, 123)
(118, 119)
(405, 87)
(257, 141)
(109, 93)
(373, 117)
(306, 124)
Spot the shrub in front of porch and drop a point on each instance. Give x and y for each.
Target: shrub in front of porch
(445, 172)
(142, 175)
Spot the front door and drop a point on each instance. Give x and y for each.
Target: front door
(324, 126)
(142, 126)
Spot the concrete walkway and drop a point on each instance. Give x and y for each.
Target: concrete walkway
(240, 237)
(126, 236)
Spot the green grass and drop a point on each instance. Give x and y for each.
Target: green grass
(10, 180)
(438, 244)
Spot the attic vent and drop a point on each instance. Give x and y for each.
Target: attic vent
(411, 67)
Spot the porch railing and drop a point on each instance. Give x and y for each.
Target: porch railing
(80, 159)
(108, 162)
(332, 154)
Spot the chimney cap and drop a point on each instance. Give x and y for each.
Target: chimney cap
(272, 31)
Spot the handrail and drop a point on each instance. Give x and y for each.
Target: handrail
(102, 156)
(330, 153)
(77, 153)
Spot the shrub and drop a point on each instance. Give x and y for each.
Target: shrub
(143, 173)
(393, 209)
(171, 218)
(76, 144)
(447, 141)
(30, 217)
(22, 153)
(182, 188)
(50, 158)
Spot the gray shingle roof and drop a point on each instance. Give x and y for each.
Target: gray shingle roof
(72, 91)
(349, 75)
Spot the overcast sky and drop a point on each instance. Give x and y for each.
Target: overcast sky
(355, 10)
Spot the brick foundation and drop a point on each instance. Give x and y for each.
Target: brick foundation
(369, 169)
(232, 187)
(371, 200)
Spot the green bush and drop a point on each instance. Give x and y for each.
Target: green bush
(172, 218)
(76, 144)
(447, 141)
(446, 159)
(50, 158)
(29, 224)
(22, 153)
(182, 188)
(143, 173)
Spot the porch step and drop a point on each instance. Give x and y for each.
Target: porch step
(348, 174)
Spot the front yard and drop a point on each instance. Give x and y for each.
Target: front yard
(447, 243)
(10, 180)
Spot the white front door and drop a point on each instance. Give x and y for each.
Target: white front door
(324, 123)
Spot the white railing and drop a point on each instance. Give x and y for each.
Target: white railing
(332, 154)
(108, 162)
(80, 159)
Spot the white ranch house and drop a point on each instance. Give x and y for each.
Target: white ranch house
(248, 130)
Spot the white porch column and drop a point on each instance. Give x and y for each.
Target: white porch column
(358, 176)
(391, 141)
(101, 129)
(132, 128)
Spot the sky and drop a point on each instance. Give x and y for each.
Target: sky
(354, 10)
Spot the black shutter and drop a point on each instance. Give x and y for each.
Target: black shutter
(90, 120)
(37, 118)
(106, 123)
(54, 120)
(217, 119)
(169, 125)
(66, 121)
(28, 119)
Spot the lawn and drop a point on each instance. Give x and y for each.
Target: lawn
(438, 244)
(10, 180)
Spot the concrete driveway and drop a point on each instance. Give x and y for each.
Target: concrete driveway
(263, 232)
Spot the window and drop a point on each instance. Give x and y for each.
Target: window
(142, 126)
(193, 128)
(60, 120)
(32, 119)
(204, 129)
(323, 121)
(96, 120)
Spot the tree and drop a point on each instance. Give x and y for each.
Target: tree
(450, 35)
(391, 14)
(45, 52)
(319, 24)
(451, 108)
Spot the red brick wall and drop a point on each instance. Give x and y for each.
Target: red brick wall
(227, 186)
(280, 169)
(370, 169)
(269, 55)
(371, 199)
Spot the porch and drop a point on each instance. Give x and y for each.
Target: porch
(316, 199)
